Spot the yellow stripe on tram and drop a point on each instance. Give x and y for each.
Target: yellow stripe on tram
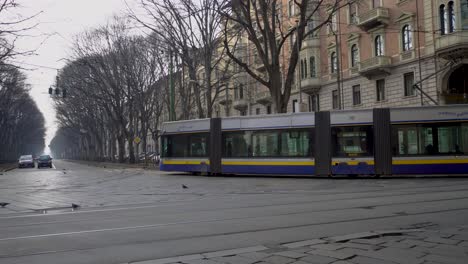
(270, 163)
(434, 161)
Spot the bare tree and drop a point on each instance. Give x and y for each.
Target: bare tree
(268, 29)
(192, 31)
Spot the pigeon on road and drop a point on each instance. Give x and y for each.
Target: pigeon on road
(184, 186)
(4, 204)
(75, 206)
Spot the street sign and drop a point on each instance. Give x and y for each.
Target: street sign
(137, 140)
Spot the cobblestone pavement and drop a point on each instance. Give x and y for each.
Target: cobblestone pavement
(411, 246)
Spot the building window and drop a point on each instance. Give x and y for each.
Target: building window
(335, 103)
(257, 111)
(376, 3)
(295, 106)
(408, 79)
(407, 38)
(314, 104)
(243, 112)
(451, 17)
(313, 72)
(380, 89)
(356, 94)
(442, 19)
(354, 55)
(378, 45)
(334, 22)
(268, 109)
(305, 68)
(333, 62)
(241, 91)
(302, 69)
(352, 13)
(291, 8)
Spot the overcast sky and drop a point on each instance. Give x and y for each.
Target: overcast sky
(62, 19)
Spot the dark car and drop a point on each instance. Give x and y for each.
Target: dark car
(44, 161)
(26, 161)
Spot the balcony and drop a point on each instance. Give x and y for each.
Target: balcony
(240, 104)
(263, 98)
(373, 18)
(452, 45)
(310, 85)
(375, 66)
(311, 42)
(224, 101)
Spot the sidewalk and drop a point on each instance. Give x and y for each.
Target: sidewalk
(4, 167)
(412, 246)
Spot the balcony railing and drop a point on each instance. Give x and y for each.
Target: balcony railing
(374, 17)
(240, 104)
(375, 65)
(311, 85)
(263, 98)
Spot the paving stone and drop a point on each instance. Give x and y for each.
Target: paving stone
(332, 254)
(460, 237)
(301, 249)
(368, 241)
(444, 259)
(440, 240)
(255, 255)
(172, 259)
(449, 250)
(414, 242)
(290, 254)
(402, 256)
(304, 243)
(200, 261)
(352, 236)
(367, 260)
(300, 262)
(278, 260)
(316, 259)
(334, 246)
(463, 244)
(233, 251)
(397, 245)
(341, 262)
(359, 246)
(235, 260)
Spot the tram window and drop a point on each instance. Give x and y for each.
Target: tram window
(430, 139)
(352, 141)
(268, 143)
(237, 144)
(265, 144)
(296, 143)
(187, 145)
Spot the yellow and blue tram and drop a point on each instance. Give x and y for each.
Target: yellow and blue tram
(384, 141)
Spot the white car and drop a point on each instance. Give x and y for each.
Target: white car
(26, 161)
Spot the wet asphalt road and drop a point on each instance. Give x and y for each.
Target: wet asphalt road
(133, 214)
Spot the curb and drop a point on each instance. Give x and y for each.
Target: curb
(8, 168)
(291, 245)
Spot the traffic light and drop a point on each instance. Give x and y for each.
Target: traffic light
(57, 91)
(51, 90)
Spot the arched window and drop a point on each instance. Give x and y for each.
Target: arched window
(451, 17)
(407, 38)
(378, 43)
(305, 68)
(442, 19)
(354, 55)
(333, 62)
(302, 69)
(313, 72)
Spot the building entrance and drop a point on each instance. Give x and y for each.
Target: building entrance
(457, 90)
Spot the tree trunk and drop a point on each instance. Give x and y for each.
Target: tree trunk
(121, 146)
